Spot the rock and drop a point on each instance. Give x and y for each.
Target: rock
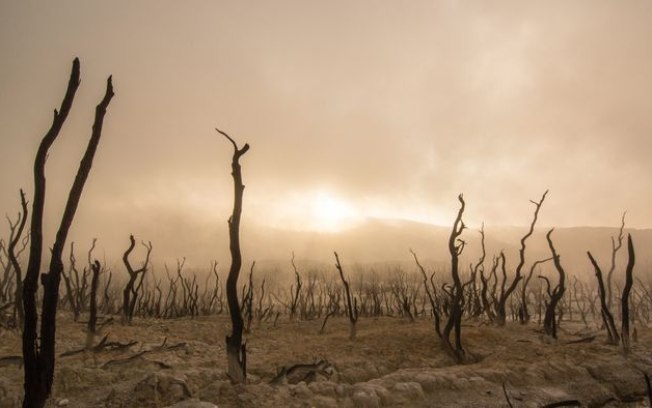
(343, 390)
(325, 388)
(354, 374)
(411, 390)
(301, 390)
(428, 381)
(376, 393)
(162, 387)
(213, 390)
(365, 399)
(193, 403)
(63, 402)
(246, 397)
(321, 401)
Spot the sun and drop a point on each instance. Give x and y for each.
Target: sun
(329, 213)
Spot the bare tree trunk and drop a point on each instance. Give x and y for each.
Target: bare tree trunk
(476, 305)
(607, 317)
(351, 305)
(549, 321)
(629, 281)
(294, 296)
(130, 292)
(524, 314)
(39, 355)
(92, 319)
(616, 244)
(236, 351)
(11, 253)
(454, 323)
(431, 293)
(249, 299)
(505, 294)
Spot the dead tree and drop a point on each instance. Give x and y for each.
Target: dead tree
(75, 287)
(38, 348)
(454, 323)
(581, 300)
(523, 313)
(186, 289)
(107, 299)
(216, 295)
(629, 281)
(549, 321)
(400, 290)
(16, 232)
(616, 244)
(489, 299)
(607, 317)
(295, 291)
(92, 318)
(475, 303)
(6, 278)
(248, 300)
(431, 292)
(500, 312)
(130, 292)
(351, 302)
(505, 294)
(236, 350)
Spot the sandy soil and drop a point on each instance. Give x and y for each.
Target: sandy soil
(391, 363)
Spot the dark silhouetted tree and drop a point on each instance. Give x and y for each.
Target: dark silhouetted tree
(131, 291)
(629, 282)
(38, 348)
(506, 293)
(236, 350)
(555, 295)
(607, 317)
(454, 323)
(92, 317)
(351, 301)
(16, 233)
(616, 244)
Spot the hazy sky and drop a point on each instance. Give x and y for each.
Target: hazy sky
(352, 109)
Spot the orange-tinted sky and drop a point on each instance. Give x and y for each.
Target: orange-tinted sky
(352, 109)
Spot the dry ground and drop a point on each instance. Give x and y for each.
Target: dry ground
(391, 363)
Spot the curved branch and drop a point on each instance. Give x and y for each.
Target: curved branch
(238, 152)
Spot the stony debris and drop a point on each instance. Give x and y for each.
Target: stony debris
(193, 403)
(375, 370)
(161, 388)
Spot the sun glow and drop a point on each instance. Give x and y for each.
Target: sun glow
(329, 213)
(314, 210)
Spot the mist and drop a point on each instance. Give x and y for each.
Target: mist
(387, 109)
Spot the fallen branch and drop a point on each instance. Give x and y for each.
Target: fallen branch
(567, 403)
(14, 360)
(582, 340)
(103, 345)
(120, 361)
(323, 326)
(141, 353)
(507, 397)
(303, 372)
(163, 346)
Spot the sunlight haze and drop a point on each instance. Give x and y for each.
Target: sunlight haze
(354, 111)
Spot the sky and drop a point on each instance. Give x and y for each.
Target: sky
(353, 110)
